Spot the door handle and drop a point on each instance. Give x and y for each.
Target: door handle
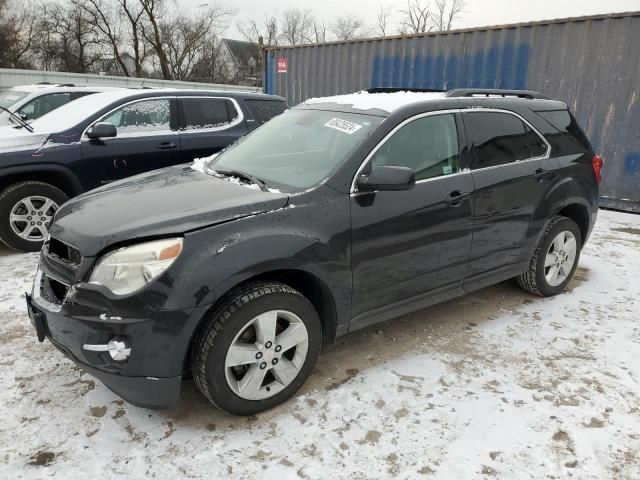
(456, 198)
(167, 146)
(543, 175)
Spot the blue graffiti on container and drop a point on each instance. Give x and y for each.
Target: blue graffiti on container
(632, 163)
(502, 66)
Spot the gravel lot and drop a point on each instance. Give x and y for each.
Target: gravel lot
(497, 384)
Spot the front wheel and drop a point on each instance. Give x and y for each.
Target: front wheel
(257, 348)
(26, 210)
(555, 259)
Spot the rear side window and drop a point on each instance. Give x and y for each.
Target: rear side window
(563, 121)
(428, 145)
(265, 110)
(205, 113)
(498, 138)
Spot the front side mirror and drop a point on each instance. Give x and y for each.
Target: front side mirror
(386, 177)
(102, 130)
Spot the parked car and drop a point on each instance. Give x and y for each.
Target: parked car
(30, 102)
(109, 136)
(340, 213)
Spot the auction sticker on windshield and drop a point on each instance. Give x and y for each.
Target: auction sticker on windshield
(343, 125)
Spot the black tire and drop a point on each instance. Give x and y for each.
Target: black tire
(225, 321)
(534, 280)
(10, 196)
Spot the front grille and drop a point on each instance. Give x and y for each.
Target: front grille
(53, 291)
(64, 252)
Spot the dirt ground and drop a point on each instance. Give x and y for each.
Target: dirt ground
(496, 384)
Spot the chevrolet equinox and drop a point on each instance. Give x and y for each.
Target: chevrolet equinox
(340, 213)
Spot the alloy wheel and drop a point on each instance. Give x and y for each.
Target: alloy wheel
(30, 217)
(560, 258)
(266, 355)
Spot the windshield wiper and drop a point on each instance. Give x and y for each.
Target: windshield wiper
(244, 176)
(17, 117)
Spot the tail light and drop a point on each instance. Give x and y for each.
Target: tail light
(597, 163)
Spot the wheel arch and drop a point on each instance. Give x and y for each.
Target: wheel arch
(308, 284)
(579, 214)
(56, 175)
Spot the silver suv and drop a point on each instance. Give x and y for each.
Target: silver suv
(33, 101)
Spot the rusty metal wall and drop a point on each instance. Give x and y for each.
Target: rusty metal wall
(591, 63)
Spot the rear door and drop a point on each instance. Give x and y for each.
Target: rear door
(408, 243)
(208, 125)
(511, 172)
(147, 139)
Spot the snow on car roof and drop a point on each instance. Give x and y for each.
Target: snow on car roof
(387, 102)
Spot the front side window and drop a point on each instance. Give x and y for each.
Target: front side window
(143, 116)
(205, 113)
(428, 145)
(43, 105)
(498, 138)
(298, 149)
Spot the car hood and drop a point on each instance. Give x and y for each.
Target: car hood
(18, 139)
(170, 201)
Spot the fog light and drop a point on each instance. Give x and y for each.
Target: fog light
(116, 348)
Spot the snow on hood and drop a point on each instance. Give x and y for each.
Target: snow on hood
(387, 102)
(200, 165)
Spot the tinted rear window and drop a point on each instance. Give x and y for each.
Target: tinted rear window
(563, 121)
(265, 110)
(203, 113)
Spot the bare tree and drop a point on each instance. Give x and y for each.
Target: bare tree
(154, 11)
(348, 27)
(104, 17)
(444, 15)
(19, 24)
(186, 39)
(68, 41)
(320, 31)
(252, 31)
(416, 18)
(296, 26)
(384, 15)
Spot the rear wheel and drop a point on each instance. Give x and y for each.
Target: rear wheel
(257, 348)
(26, 210)
(555, 259)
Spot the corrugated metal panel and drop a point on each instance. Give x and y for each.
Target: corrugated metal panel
(13, 77)
(592, 63)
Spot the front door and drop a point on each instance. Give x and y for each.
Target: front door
(147, 139)
(408, 243)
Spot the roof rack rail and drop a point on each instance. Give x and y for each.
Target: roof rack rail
(66, 85)
(401, 89)
(494, 92)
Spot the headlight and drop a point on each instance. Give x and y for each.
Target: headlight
(129, 269)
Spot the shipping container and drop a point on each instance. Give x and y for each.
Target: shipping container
(591, 63)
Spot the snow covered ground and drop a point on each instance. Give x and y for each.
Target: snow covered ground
(498, 384)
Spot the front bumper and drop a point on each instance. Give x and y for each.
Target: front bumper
(151, 375)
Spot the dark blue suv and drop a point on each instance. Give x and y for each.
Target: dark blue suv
(109, 136)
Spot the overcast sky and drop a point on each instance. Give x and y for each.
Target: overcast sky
(478, 12)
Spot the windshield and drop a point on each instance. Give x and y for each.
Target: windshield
(72, 113)
(9, 97)
(297, 149)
